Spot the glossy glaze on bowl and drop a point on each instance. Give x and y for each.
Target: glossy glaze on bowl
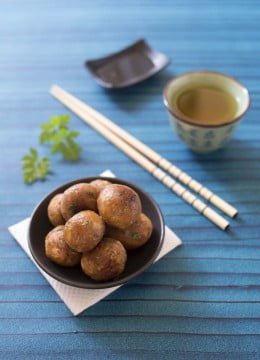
(138, 260)
(127, 67)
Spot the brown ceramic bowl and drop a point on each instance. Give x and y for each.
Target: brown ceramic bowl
(127, 67)
(138, 260)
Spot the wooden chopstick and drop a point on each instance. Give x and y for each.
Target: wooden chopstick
(166, 165)
(69, 101)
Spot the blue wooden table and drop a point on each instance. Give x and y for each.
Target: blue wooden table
(202, 301)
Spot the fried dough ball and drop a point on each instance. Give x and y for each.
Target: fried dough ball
(77, 198)
(99, 184)
(57, 250)
(119, 205)
(135, 235)
(84, 231)
(106, 261)
(54, 210)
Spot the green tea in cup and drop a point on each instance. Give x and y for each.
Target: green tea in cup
(207, 105)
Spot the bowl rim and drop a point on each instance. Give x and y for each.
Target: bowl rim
(201, 72)
(110, 283)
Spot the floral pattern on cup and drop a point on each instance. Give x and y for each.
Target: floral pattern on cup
(201, 139)
(209, 134)
(194, 133)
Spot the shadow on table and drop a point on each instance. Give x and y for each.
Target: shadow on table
(230, 152)
(128, 99)
(234, 152)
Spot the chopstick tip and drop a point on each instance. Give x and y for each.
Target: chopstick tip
(235, 214)
(226, 227)
(54, 88)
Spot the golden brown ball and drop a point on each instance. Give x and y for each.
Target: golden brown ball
(84, 231)
(77, 198)
(54, 210)
(57, 250)
(99, 185)
(135, 235)
(119, 205)
(106, 261)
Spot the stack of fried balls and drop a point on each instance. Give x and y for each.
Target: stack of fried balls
(96, 224)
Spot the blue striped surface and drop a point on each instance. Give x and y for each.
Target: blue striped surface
(201, 301)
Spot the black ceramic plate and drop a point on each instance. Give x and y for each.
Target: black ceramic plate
(128, 66)
(138, 260)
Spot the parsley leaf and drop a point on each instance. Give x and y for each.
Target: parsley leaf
(135, 236)
(34, 167)
(60, 137)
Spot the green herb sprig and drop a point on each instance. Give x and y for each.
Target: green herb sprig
(60, 137)
(35, 167)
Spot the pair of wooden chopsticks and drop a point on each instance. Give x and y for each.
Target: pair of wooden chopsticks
(149, 160)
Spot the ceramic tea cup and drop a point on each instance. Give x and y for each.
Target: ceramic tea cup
(206, 137)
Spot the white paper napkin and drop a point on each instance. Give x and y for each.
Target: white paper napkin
(78, 300)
